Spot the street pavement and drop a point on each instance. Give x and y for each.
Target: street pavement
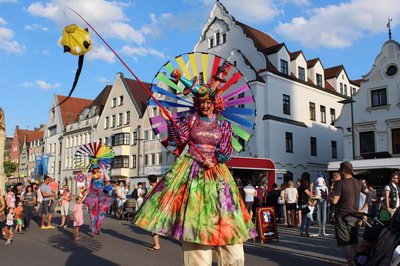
(122, 243)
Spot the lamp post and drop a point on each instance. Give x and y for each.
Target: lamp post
(351, 101)
(137, 138)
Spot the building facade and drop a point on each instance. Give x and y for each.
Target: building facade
(297, 99)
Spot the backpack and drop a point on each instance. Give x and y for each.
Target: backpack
(134, 194)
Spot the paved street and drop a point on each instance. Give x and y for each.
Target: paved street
(121, 243)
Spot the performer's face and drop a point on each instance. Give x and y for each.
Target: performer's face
(206, 108)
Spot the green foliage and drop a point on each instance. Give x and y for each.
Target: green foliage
(10, 167)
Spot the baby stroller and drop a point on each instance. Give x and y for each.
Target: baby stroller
(381, 245)
(129, 209)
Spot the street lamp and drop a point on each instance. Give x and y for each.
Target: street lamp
(351, 101)
(137, 138)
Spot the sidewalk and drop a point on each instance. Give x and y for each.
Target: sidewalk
(319, 248)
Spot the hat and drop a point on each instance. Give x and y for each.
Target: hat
(94, 162)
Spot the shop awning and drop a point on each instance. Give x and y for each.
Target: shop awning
(262, 164)
(388, 163)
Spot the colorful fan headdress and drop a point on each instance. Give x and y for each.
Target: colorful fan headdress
(198, 76)
(93, 155)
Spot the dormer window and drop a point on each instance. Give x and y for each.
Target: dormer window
(211, 43)
(217, 39)
(284, 67)
(223, 37)
(319, 80)
(302, 73)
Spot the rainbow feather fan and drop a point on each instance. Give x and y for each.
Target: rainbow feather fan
(103, 152)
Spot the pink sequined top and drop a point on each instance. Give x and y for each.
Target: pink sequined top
(211, 136)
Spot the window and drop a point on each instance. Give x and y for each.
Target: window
(313, 146)
(323, 114)
(210, 43)
(217, 39)
(152, 159)
(120, 139)
(120, 118)
(345, 89)
(160, 156)
(121, 162)
(127, 117)
(113, 121)
(284, 67)
(106, 122)
(367, 142)
(302, 73)
(146, 135)
(135, 138)
(224, 38)
(52, 130)
(312, 111)
(106, 140)
(146, 160)
(378, 97)
(286, 104)
(353, 90)
(155, 111)
(289, 142)
(113, 102)
(319, 80)
(334, 149)
(133, 161)
(121, 100)
(341, 88)
(396, 141)
(333, 116)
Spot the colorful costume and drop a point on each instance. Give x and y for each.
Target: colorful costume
(193, 204)
(98, 200)
(98, 158)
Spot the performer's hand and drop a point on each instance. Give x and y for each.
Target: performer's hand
(208, 163)
(164, 115)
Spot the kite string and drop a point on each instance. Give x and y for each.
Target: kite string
(142, 85)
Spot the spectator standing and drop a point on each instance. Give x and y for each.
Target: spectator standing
(332, 208)
(78, 217)
(120, 193)
(298, 211)
(291, 198)
(346, 196)
(260, 195)
(29, 202)
(250, 193)
(10, 198)
(392, 194)
(65, 201)
(304, 202)
(18, 191)
(282, 205)
(140, 192)
(321, 204)
(19, 216)
(156, 238)
(48, 205)
(9, 225)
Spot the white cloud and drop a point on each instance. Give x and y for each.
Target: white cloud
(300, 2)
(46, 86)
(141, 51)
(35, 26)
(100, 52)
(109, 18)
(8, 43)
(155, 28)
(26, 84)
(2, 22)
(340, 25)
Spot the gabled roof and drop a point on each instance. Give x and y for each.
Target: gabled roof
(71, 108)
(294, 55)
(312, 62)
(273, 49)
(261, 40)
(333, 72)
(138, 94)
(30, 135)
(357, 82)
(101, 99)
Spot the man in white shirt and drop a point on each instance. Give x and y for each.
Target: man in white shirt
(392, 194)
(141, 192)
(250, 193)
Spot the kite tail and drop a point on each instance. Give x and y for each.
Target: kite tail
(77, 74)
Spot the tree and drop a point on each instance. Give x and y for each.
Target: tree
(9, 167)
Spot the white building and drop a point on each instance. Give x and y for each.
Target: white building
(81, 131)
(376, 112)
(297, 99)
(57, 121)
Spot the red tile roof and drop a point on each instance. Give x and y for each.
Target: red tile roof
(357, 82)
(101, 99)
(138, 94)
(333, 72)
(30, 135)
(312, 62)
(294, 55)
(261, 40)
(72, 108)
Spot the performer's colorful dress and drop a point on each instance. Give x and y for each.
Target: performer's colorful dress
(193, 204)
(97, 200)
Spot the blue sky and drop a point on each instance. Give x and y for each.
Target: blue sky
(148, 33)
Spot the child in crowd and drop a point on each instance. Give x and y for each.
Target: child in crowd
(19, 216)
(9, 225)
(78, 217)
